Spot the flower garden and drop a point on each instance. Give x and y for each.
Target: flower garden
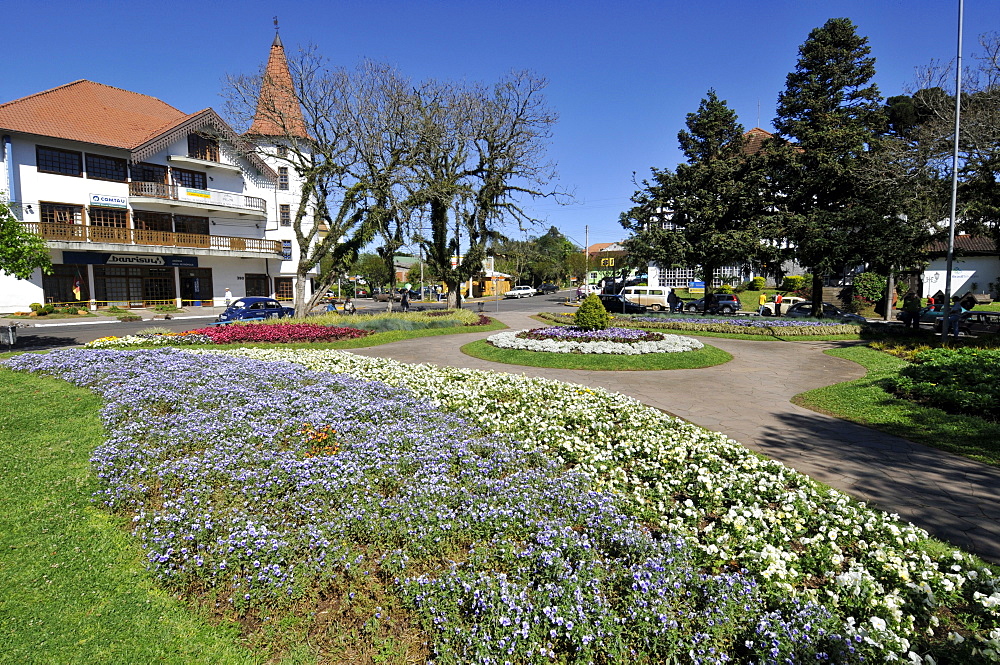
(729, 325)
(570, 339)
(509, 519)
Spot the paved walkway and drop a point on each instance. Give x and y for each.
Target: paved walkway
(955, 499)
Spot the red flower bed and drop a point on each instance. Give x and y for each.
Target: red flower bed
(279, 333)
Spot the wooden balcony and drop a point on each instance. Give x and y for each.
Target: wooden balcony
(81, 233)
(210, 198)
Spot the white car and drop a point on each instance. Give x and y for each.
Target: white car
(787, 302)
(522, 291)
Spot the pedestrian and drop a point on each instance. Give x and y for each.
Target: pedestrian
(672, 301)
(778, 299)
(404, 302)
(761, 301)
(911, 311)
(955, 313)
(349, 307)
(229, 297)
(939, 301)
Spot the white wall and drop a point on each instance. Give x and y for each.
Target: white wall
(980, 270)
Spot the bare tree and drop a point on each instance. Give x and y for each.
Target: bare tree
(479, 154)
(340, 148)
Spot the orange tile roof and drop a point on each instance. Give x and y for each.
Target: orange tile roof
(278, 109)
(754, 140)
(92, 113)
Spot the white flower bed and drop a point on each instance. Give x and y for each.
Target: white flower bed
(669, 344)
(798, 537)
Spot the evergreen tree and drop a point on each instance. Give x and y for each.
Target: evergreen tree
(708, 212)
(831, 124)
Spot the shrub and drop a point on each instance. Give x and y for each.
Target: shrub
(129, 317)
(35, 306)
(794, 283)
(870, 286)
(954, 380)
(592, 315)
(725, 288)
(757, 283)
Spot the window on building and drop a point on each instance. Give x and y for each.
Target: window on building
(282, 151)
(203, 147)
(286, 214)
(190, 179)
(153, 221)
(149, 173)
(57, 213)
(286, 249)
(58, 285)
(100, 167)
(189, 224)
(257, 285)
(54, 160)
(283, 288)
(116, 218)
(282, 177)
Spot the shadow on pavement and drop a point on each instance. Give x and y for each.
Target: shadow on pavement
(954, 499)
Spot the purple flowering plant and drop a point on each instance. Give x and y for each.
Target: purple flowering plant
(620, 335)
(499, 551)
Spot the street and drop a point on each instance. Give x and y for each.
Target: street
(63, 332)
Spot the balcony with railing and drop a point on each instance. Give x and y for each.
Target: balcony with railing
(155, 194)
(123, 236)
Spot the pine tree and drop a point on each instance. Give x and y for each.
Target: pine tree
(707, 212)
(830, 123)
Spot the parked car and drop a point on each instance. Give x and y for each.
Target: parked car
(585, 290)
(619, 304)
(361, 293)
(653, 297)
(547, 288)
(804, 310)
(723, 303)
(381, 295)
(522, 291)
(248, 309)
(786, 302)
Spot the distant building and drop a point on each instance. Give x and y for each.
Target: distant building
(143, 204)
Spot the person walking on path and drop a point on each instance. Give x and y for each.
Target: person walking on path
(911, 311)
(229, 297)
(404, 302)
(778, 299)
(761, 301)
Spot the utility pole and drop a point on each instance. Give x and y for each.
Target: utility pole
(586, 261)
(946, 307)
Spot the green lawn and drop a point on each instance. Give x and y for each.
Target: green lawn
(73, 584)
(864, 401)
(704, 357)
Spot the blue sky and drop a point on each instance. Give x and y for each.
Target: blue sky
(622, 75)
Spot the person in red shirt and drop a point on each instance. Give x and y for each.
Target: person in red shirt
(778, 299)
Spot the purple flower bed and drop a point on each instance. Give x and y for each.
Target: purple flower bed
(218, 463)
(741, 321)
(621, 335)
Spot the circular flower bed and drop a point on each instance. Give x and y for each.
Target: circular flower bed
(568, 339)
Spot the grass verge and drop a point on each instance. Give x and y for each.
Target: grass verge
(73, 586)
(864, 401)
(704, 357)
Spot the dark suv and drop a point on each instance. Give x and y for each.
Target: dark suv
(547, 289)
(723, 303)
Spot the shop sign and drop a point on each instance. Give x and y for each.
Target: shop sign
(99, 259)
(108, 201)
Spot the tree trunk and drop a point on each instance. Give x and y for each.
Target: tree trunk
(817, 295)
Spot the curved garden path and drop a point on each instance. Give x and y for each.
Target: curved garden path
(955, 499)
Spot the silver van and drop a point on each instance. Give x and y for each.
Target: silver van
(653, 297)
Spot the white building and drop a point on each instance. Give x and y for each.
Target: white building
(141, 204)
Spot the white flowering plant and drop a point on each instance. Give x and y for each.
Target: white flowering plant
(796, 537)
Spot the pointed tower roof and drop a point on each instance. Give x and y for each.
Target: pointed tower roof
(278, 110)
